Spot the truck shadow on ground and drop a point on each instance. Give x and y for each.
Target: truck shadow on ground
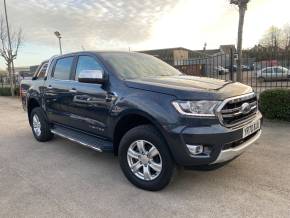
(94, 162)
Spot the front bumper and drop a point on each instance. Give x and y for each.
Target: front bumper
(231, 153)
(222, 143)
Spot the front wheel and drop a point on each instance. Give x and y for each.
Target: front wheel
(145, 158)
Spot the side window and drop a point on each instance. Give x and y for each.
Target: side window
(281, 70)
(42, 72)
(63, 68)
(268, 70)
(87, 63)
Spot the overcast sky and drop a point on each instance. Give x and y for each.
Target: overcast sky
(140, 25)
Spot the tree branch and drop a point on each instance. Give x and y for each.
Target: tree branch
(16, 41)
(9, 50)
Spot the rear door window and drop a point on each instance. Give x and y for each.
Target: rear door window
(62, 70)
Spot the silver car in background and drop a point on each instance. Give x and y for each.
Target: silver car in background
(273, 74)
(221, 70)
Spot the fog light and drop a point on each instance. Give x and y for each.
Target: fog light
(195, 149)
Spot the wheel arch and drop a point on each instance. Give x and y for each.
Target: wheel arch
(31, 104)
(129, 120)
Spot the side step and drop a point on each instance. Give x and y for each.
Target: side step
(83, 139)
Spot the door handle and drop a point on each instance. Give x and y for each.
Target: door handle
(73, 90)
(49, 87)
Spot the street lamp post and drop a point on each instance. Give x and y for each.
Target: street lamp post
(58, 35)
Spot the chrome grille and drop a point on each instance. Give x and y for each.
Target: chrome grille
(238, 110)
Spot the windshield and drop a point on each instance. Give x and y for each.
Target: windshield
(137, 65)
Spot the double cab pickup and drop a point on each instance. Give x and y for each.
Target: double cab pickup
(143, 110)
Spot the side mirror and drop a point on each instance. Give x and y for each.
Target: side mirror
(92, 76)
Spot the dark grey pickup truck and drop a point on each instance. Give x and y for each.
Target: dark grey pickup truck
(143, 110)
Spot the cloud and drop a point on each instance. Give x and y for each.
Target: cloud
(89, 23)
(139, 24)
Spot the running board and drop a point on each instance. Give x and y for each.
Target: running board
(83, 139)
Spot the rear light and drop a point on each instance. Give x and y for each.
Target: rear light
(22, 92)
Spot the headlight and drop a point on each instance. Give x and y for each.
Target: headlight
(196, 108)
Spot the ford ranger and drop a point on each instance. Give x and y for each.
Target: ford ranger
(143, 110)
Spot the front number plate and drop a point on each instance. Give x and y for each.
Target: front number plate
(254, 127)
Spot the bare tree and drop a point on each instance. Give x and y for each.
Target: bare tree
(286, 37)
(273, 38)
(242, 4)
(276, 39)
(8, 54)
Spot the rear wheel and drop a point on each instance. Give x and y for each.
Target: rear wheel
(145, 158)
(261, 79)
(40, 126)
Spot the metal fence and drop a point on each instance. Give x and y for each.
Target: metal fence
(261, 70)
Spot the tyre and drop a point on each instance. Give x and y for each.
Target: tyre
(261, 79)
(145, 159)
(40, 126)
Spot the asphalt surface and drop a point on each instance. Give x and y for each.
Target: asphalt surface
(63, 179)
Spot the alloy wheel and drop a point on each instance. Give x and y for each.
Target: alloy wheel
(36, 125)
(144, 160)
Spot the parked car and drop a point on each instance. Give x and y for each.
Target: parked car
(273, 74)
(246, 68)
(252, 66)
(234, 68)
(143, 110)
(221, 70)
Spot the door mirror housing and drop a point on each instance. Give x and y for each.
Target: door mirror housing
(92, 76)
